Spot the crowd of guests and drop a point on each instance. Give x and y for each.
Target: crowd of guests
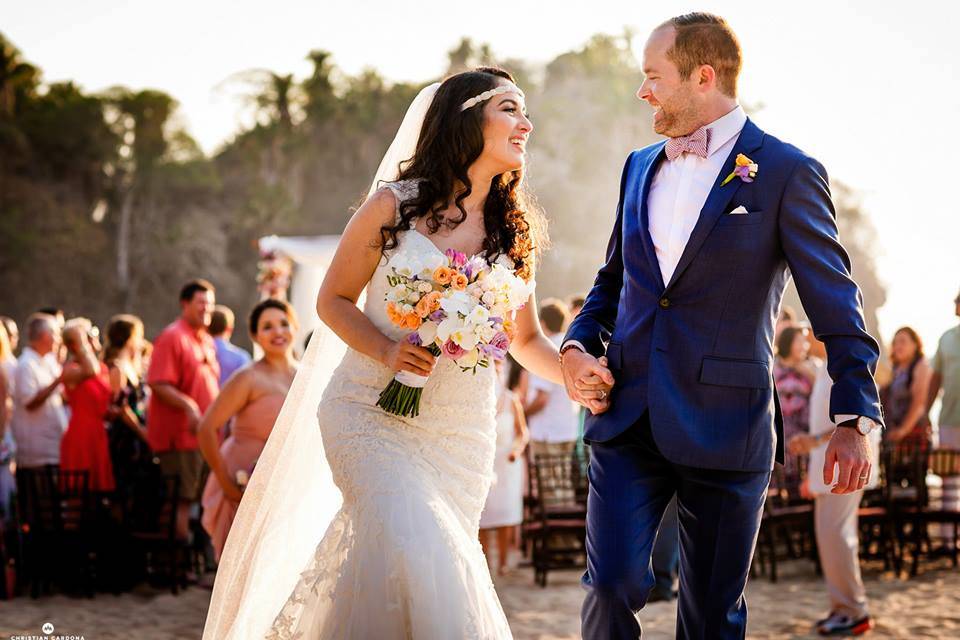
(190, 405)
(194, 406)
(915, 384)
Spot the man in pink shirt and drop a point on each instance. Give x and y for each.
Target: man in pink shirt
(183, 377)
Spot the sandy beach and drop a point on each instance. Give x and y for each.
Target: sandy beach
(927, 606)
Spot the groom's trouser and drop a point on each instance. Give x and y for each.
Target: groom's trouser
(719, 511)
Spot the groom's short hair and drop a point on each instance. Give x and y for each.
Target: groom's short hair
(705, 38)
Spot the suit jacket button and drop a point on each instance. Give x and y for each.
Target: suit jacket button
(664, 302)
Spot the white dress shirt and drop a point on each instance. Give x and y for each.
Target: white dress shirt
(680, 189)
(37, 433)
(681, 186)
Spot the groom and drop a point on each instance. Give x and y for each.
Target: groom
(708, 224)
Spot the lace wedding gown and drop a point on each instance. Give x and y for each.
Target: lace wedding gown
(401, 558)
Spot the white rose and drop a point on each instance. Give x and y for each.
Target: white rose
(425, 287)
(489, 298)
(486, 332)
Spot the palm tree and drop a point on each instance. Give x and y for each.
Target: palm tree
(320, 98)
(141, 119)
(17, 78)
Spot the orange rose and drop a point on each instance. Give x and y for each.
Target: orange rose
(412, 321)
(443, 275)
(393, 312)
(428, 304)
(459, 281)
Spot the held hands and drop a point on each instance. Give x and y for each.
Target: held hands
(588, 380)
(403, 356)
(851, 451)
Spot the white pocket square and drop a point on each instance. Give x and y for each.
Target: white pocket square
(739, 211)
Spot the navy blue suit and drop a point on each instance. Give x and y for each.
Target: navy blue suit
(694, 411)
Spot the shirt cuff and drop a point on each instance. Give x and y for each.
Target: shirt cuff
(573, 343)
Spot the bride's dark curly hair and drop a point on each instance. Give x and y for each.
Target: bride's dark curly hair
(450, 141)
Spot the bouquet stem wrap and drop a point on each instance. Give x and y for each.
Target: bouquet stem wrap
(402, 396)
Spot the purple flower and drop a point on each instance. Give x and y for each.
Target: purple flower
(438, 315)
(414, 339)
(497, 347)
(743, 172)
(456, 258)
(452, 350)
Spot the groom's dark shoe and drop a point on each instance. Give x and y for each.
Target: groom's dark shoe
(661, 595)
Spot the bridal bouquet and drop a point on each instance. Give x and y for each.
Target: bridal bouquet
(458, 308)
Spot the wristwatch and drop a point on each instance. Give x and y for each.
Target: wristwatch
(862, 424)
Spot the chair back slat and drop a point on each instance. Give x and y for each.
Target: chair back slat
(945, 462)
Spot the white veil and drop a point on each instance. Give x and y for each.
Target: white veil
(291, 498)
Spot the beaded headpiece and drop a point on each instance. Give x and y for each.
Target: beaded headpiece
(486, 95)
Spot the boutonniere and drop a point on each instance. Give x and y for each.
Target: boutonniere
(746, 170)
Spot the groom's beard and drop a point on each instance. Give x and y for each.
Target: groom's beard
(678, 117)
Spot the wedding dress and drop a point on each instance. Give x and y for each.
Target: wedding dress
(357, 523)
(401, 558)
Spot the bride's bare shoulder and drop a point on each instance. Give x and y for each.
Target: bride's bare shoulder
(376, 212)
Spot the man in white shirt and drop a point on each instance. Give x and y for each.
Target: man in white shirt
(39, 419)
(835, 515)
(553, 419)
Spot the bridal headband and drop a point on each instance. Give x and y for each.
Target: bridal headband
(486, 95)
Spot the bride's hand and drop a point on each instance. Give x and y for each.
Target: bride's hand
(403, 356)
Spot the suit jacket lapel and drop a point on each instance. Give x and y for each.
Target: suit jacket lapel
(640, 189)
(750, 139)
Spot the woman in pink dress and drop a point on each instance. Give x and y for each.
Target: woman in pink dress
(253, 397)
(84, 446)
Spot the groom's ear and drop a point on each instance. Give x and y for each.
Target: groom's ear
(706, 76)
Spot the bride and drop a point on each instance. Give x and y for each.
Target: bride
(367, 527)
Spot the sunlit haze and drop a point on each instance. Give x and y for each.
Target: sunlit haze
(870, 89)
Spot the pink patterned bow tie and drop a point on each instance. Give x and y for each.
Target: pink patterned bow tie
(695, 143)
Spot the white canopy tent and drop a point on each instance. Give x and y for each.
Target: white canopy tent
(311, 257)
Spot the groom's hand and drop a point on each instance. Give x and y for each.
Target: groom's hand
(850, 451)
(587, 379)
